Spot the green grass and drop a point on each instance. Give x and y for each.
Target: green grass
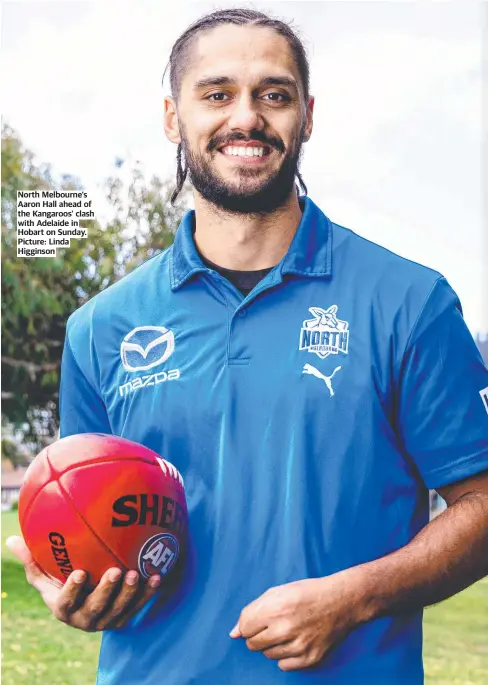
(456, 639)
(35, 647)
(38, 649)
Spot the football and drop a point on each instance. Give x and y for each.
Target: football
(95, 501)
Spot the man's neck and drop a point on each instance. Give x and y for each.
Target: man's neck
(245, 242)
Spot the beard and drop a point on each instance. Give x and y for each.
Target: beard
(265, 196)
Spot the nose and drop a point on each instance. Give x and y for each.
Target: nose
(245, 114)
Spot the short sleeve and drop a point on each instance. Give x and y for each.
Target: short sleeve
(442, 415)
(81, 409)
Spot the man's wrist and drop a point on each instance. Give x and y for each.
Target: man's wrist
(361, 590)
(366, 589)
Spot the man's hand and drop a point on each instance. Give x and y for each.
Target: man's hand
(298, 623)
(111, 604)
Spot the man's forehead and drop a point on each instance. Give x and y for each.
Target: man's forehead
(240, 53)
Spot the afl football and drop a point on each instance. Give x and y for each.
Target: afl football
(95, 501)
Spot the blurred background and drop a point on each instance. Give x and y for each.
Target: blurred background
(396, 155)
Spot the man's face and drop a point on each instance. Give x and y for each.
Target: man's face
(241, 118)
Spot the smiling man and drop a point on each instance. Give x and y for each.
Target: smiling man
(312, 388)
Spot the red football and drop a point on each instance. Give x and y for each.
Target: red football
(95, 501)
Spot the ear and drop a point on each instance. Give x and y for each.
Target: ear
(309, 116)
(171, 127)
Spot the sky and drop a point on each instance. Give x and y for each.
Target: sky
(396, 151)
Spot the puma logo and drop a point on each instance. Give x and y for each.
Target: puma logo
(308, 368)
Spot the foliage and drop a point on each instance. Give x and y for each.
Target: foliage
(39, 294)
(13, 450)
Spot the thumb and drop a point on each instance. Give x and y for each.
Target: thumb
(235, 632)
(18, 547)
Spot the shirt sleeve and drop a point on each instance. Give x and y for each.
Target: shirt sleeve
(442, 413)
(81, 409)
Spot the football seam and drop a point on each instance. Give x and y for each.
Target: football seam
(116, 459)
(80, 516)
(105, 460)
(55, 475)
(37, 492)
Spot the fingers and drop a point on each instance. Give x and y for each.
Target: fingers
(296, 663)
(236, 631)
(110, 605)
(147, 592)
(123, 600)
(18, 547)
(265, 640)
(292, 664)
(251, 621)
(79, 609)
(283, 651)
(98, 602)
(70, 597)
(291, 654)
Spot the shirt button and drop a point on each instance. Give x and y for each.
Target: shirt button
(242, 313)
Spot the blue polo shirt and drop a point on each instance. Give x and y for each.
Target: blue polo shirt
(308, 419)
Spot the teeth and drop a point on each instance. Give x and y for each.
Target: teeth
(239, 151)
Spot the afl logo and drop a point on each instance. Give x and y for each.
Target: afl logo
(158, 555)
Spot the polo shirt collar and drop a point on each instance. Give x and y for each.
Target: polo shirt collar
(310, 252)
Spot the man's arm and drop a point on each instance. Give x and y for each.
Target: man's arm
(441, 424)
(298, 623)
(449, 554)
(116, 599)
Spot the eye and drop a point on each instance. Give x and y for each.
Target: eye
(217, 97)
(276, 97)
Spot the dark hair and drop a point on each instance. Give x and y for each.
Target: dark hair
(179, 57)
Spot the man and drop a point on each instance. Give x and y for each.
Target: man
(319, 385)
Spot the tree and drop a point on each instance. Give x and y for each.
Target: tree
(39, 294)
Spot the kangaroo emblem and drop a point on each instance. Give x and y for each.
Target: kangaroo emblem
(323, 317)
(308, 368)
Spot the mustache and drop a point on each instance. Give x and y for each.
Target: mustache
(254, 136)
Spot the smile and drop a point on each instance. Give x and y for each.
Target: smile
(245, 151)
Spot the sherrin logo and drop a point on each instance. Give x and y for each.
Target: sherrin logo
(158, 555)
(325, 334)
(145, 347)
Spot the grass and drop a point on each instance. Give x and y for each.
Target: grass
(35, 647)
(456, 639)
(38, 649)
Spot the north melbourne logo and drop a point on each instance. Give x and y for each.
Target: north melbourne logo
(325, 334)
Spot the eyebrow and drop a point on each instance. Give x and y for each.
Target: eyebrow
(227, 81)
